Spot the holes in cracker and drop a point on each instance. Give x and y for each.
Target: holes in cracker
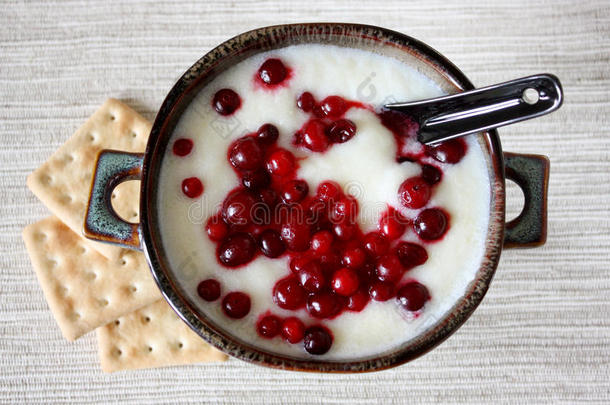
(112, 117)
(117, 322)
(180, 345)
(133, 135)
(117, 351)
(125, 201)
(146, 319)
(133, 288)
(103, 302)
(150, 349)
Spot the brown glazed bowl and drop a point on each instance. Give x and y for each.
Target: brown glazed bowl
(101, 223)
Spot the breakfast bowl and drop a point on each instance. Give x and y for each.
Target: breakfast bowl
(175, 217)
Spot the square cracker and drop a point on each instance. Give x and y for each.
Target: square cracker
(63, 182)
(153, 336)
(84, 289)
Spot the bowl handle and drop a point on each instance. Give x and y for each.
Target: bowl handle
(531, 173)
(102, 222)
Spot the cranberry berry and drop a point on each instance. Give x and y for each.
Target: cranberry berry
(414, 192)
(413, 296)
(376, 244)
(306, 102)
(311, 276)
(209, 289)
(267, 134)
(321, 242)
(280, 163)
(237, 208)
(182, 147)
(323, 305)
(341, 131)
(236, 250)
(328, 191)
(269, 326)
(353, 257)
(293, 330)
(272, 71)
(216, 228)
(246, 154)
(288, 293)
(294, 191)
(381, 291)
(317, 340)
(389, 268)
(392, 224)
(357, 301)
(431, 224)
(451, 151)
(411, 254)
(313, 136)
(226, 101)
(271, 244)
(256, 180)
(333, 107)
(345, 282)
(236, 304)
(295, 233)
(192, 187)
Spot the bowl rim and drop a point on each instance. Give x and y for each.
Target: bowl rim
(258, 40)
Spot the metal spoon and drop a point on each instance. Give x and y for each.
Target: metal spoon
(486, 108)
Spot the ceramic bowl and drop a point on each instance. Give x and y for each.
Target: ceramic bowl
(113, 167)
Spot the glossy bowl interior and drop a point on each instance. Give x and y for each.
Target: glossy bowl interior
(373, 39)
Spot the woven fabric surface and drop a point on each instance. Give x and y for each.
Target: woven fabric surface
(541, 335)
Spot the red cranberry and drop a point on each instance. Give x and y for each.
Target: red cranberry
(256, 180)
(236, 304)
(236, 250)
(271, 244)
(345, 282)
(345, 207)
(246, 154)
(311, 277)
(269, 326)
(306, 102)
(192, 187)
(328, 191)
(344, 230)
(272, 71)
(392, 224)
(375, 244)
(411, 254)
(431, 174)
(237, 207)
(317, 340)
(451, 151)
(216, 228)
(341, 131)
(226, 101)
(313, 136)
(330, 262)
(294, 191)
(414, 192)
(295, 232)
(209, 289)
(321, 242)
(323, 305)
(267, 134)
(293, 330)
(182, 147)
(431, 224)
(381, 291)
(412, 296)
(353, 257)
(288, 293)
(357, 301)
(280, 163)
(389, 268)
(333, 106)
(268, 197)
(297, 263)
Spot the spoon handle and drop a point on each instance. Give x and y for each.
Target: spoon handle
(486, 108)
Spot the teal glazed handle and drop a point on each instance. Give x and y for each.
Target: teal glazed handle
(531, 173)
(102, 222)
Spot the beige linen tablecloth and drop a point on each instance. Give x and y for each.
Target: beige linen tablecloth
(541, 335)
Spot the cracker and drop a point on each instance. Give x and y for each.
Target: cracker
(84, 289)
(153, 336)
(63, 182)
